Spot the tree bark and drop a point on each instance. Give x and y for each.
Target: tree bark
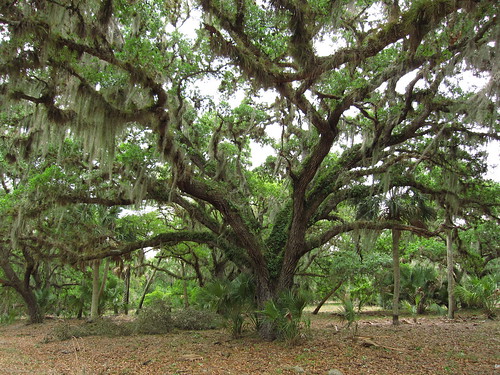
(184, 285)
(126, 293)
(264, 293)
(146, 287)
(396, 235)
(94, 307)
(105, 273)
(326, 297)
(22, 287)
(34, 310)
(451, 279)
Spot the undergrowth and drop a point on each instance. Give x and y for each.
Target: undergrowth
(151, 321)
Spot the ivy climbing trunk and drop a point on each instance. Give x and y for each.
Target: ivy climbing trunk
(396, 235)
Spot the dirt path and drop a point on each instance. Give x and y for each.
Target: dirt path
(433, 346)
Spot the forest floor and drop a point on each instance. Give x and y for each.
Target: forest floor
(468, 345)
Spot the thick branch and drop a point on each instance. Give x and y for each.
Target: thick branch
(317, 241)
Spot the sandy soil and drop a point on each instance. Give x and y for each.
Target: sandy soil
(467, 345)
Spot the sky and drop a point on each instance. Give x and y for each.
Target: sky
(467, 81)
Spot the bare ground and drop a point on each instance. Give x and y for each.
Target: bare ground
(467, 345)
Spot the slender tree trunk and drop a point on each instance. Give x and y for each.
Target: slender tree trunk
(126, 293)
(199, 274)
(146, 287)
(103, 284)
(396, 235)
(184, 285)
(451, 279)
(327, 297)
(94, 307)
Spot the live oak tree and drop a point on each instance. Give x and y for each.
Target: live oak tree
(367, 94)
(21, 268)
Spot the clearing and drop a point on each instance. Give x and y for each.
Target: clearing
(467, 345)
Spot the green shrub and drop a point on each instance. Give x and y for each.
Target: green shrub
(410, 308)
(233, 300)
(480, 293)
(349, 312)
(156, 296)
(438, 309)
(155, 319)
(190, 319)
(285, 313)
(9, 317)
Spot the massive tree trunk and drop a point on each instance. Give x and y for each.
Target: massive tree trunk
(22, 287)
(396, 235)
(264, 292)
(35, 312)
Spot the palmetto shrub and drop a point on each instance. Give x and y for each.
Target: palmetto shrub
(285, 313)
(233, 300)
(482, 293)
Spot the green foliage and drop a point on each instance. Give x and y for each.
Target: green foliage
(411, 308)
(285, 314)
(479, 251)
(112, 294)
(45, 298)
(419, 281)
(482, 293)
(358, 273)
(441, 310)
(157, 296)
(9, 318)
(349, 311)
(233, 300)
(362, 292)
(102, 105)
(175, 293)
(8, 300)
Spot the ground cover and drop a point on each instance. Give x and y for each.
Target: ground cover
(434, 345)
